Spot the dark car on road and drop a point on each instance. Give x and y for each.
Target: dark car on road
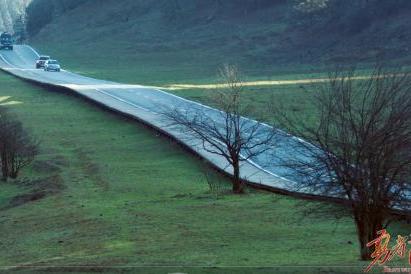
(41, 61)
(6, 41)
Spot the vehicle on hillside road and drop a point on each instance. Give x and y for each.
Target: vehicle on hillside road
(6, 41)
(52, 65)
(41, 61)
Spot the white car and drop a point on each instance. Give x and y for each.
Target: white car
(41, 61)
(52, 65)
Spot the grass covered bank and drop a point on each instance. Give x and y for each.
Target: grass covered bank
(119, 194)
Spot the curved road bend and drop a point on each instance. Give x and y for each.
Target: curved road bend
(145, 103)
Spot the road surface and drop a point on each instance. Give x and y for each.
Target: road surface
(148, 104)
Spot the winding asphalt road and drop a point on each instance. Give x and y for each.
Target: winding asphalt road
(148, 104)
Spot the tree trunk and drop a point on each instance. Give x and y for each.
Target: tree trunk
(365, 252)
(4, 166)
(367, 231)
(14, 174)
(238, 187)
(14, 168)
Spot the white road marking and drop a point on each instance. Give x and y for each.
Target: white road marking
(101, 86)
(33, 50)
(5, 61)
(23, 69)
(124, 101)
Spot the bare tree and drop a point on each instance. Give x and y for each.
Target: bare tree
(360, 147)
(17, 147)
(225, 132)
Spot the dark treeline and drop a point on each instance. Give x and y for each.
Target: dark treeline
(42, 12)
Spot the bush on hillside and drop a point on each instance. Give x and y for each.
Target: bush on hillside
(17, 148)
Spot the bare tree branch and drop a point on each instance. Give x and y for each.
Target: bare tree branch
(225, 132)
(360, 147)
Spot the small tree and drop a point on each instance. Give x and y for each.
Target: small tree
(17, 147)
(225, 132)
(360, 147)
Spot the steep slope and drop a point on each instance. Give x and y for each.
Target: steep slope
(10, 10)
(175, 38)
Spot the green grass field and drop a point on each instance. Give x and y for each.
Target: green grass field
(159, 67)
(292, 98)
(274, 228)
(119, 194)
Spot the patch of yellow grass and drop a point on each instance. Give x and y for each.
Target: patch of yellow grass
(246, 84)
(4, 102)
(257, 83)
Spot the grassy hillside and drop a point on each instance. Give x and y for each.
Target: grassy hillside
(156, 42)
(146, 201)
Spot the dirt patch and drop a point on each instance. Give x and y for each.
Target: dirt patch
(40, 189)
(54, 165)
(92, 170)
(46, 167)
(25, 198)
